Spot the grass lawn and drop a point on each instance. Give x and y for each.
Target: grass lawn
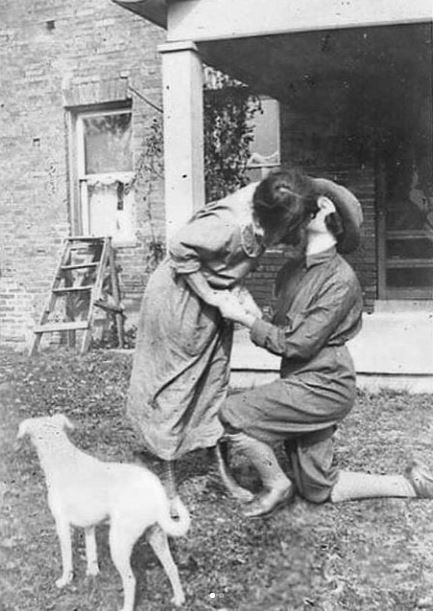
(375, 554)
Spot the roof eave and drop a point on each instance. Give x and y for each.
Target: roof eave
(152, 10)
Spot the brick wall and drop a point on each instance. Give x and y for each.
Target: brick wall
(57, 57)
(54, 54)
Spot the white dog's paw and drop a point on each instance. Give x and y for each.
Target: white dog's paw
(64, 580)
(178, 599)
(92, 570)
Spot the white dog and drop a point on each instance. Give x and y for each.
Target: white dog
(83, 491)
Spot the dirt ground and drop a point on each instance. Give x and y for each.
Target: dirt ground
(360, 556)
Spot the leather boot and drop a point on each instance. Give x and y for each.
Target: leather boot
(229, 481)
(277, 490)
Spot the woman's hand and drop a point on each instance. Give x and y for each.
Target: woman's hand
(247, 301)
(232, 309)
(229, 306)
(216, 297)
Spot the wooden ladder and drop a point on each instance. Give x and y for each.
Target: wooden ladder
(92, 258)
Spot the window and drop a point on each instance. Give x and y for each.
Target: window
(105, 173)
(265, 148)
(406, 226)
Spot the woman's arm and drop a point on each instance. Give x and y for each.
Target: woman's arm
(206, 237)
(305, 333)
(200, 286)
(308, 331)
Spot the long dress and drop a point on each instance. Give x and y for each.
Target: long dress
(180, 369)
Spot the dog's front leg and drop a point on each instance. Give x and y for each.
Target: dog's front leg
(64, 534)
(91, 551)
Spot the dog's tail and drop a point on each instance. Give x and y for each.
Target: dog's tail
(175, 527)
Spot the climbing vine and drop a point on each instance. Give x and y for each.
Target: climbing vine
(149, 171)
(229, 108)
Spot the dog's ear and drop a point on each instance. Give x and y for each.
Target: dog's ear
(63, 421)
(23, 428)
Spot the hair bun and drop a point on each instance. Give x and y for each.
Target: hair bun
(284, 195)
(283, 189)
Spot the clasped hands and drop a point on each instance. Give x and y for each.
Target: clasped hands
(237, 305)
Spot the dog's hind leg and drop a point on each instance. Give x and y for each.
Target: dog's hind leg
(159, 542)
(91, 551)
(123, 536)
(64, 534)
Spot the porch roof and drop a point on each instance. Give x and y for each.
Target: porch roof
(152, 10)
(323, 54)
(370, 68)
(209, 20)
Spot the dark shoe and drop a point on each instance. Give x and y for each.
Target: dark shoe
(268, 501)
(421, 479)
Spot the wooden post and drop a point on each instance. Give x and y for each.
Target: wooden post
(183, 132)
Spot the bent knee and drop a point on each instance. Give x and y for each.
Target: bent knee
(230, 425)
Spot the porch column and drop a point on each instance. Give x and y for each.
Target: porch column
(182, 76)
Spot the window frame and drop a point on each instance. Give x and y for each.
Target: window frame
(267, 165)
(385, 262)
(79, 208)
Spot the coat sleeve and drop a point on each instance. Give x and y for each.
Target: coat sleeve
(308, 331)
(207, 236)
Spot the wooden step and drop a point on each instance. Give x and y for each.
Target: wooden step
(50, 327)
(84, 238)
(100, 303)
(79, 266)
(74, 289)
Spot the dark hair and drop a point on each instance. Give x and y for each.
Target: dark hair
(334, 223)
(283, 203)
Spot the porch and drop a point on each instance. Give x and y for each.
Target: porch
(393, 351)
(354, 85)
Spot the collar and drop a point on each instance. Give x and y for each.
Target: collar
(320, 257)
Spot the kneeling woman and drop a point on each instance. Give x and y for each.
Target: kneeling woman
(318, 309)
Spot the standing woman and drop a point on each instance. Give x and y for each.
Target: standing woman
(181, 369)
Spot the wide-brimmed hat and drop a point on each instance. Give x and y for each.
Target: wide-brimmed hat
(349, 209)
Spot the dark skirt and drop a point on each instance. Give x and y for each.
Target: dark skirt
(313, 396)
